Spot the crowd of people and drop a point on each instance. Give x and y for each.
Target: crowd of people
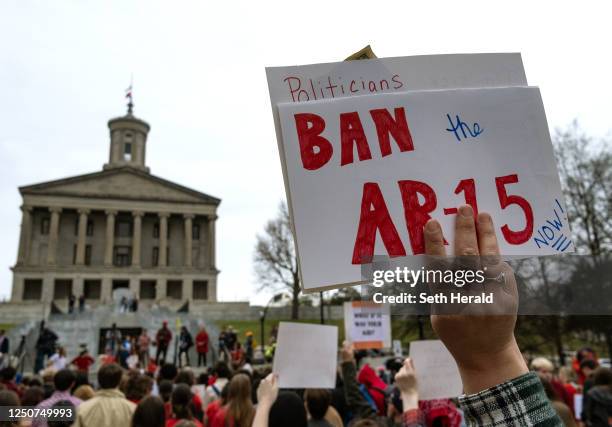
(364, 396)
(501, 387)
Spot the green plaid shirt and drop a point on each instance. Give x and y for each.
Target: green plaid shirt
(518, 402)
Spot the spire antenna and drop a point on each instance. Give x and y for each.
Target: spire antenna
(129, 96)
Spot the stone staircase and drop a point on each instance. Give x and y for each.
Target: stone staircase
(78, 329)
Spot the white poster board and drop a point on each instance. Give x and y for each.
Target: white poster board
(361, 168)
(436, 371)
(306, 355)
(367, 325)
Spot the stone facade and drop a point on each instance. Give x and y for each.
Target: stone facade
(121, 227)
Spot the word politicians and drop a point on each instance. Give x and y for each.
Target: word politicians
(313, 90)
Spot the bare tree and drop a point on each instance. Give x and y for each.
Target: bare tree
(275, 259)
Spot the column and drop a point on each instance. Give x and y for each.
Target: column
(53, 234)
(188, 238)
(137, 238)
(109, 242)
(106, 293)
(163, 238)
(211, 240)
(187, 289)
(26, 235)
(82, 232)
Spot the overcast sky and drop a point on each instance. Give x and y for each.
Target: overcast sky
(199, 81)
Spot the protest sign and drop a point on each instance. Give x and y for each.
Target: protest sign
(306, 355)
(364, 174)
(436, 371)
(367, 325)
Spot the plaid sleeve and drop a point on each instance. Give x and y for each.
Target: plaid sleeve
(518, 402)
(413, 418)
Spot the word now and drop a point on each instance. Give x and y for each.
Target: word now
(316, 150)
(375, 217)
(465, 129)
(552, 231)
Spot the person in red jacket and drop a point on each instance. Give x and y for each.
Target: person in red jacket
(162, 340)
(83, 361)
(202, 346)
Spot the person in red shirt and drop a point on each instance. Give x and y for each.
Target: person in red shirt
(202, 346)
(83, 361)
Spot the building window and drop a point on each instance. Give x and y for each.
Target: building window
(124, 228)
(155, 258)
(174, 289)
(74, 253)
(195, 232)
(44, 225)
(200, 289)
(122, 256)
(148, 289)
(156, 230)
(62, 289)
(87, 254)
(32, 289)
(92, 289)
(127, 151)
(90, 228)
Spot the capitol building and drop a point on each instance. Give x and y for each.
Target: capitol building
(118, 228)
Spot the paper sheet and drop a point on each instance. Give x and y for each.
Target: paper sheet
(488, 147)
(306, 355)
(436, 370)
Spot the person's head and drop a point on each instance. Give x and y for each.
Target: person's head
(61, 351)
(288, 410)
(202, 328)
(62, 404)
(138, 386)
(168, 372)
(2, 332)
(181, 398)
(113, 326)
(543, 367)
(240, 406)
(165, 324)
(150, 412)
(64, 379)
(185, 423)
(33, 396)
(144, 332)
(367, 422)
(587, 367)
(602, 376)
(185, 376)
(9, 398)
(317, 402)
(566, 375)
(8, 373)
(585, 353)
(222, 370)
(203, 378)
(165, 390)
(109, 376)
(84, 392)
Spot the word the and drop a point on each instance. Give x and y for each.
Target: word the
(375, 217)
(465, 129)
(316, 150)
(552, 231)
(314, 90)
